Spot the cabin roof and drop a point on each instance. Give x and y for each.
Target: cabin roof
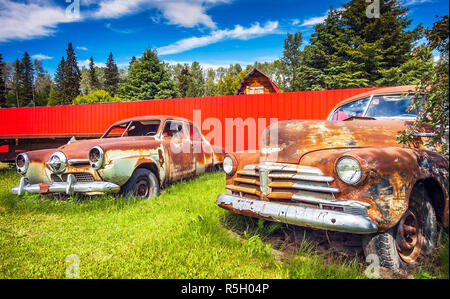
(251, 74)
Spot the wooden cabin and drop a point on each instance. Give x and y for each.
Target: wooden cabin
(257, 83)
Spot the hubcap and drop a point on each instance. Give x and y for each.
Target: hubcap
(142, 188)
(410, 235)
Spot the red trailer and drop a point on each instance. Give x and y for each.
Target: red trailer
(25, 129)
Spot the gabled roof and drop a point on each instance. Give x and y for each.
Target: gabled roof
(255, 71)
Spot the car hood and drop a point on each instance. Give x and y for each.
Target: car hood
(80, 149)
(297, 138)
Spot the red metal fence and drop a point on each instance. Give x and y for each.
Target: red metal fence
(96, 118)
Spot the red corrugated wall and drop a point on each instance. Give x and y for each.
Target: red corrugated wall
(96, 118)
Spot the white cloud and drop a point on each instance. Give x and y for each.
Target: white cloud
(414, 2)
(313, 21)
(41, 57)
(295, 22)
(85, 63)
(20, 21)
(186, 13)
(82, 48)
(238, 32)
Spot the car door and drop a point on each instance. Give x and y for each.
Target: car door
(202, 150)
(179, 146)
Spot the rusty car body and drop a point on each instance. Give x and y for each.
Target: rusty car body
(348, 174)
(137, 155)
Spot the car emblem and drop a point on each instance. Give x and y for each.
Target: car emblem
(264, 180)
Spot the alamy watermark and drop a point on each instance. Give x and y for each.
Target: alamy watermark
(73, 9)
(73, 269)
(373, 9)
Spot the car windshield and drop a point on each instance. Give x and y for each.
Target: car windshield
(392, 106)
(134, 128)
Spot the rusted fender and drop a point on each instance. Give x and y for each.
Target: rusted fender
(241, 159)
(389, 175)
(37, 170)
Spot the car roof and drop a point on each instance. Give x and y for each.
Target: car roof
(379, 91)
(148, 117)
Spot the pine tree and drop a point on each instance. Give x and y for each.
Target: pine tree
(56, 94)
(292, 56)
(27, 82)
(42, 84)
(3, 93)
(95, 85)
(196, 86)
(72, 77)
(17, 81)
(112, 77)
(133, 60)
(149, 79)
(183, 80)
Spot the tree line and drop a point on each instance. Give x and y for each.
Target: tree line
(346, 50)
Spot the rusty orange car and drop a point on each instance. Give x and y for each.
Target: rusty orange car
(135, 156)
(348, 174)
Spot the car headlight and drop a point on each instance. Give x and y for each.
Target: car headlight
(96, 157)
(228, 165)
(349, 170)
(57, 162)
(22, 163)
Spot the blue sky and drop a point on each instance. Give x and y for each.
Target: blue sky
(213, 32)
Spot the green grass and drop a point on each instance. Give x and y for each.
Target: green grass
(180, 234)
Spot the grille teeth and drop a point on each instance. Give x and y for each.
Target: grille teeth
(81, 177)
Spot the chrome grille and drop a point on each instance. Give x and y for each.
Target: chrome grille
(303, 185)
(81, 177)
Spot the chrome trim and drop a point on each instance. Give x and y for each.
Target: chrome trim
(71, 187)
(73, 162)
(303, 177)
(298, 215)
(418, 134)
(22, 170)
(99, 164)
(309, 170)
(51, 164)
(312, 187)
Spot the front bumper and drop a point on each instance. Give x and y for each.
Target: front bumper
(69, 187)
(298, 215)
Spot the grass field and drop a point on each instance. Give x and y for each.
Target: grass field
(180, 234)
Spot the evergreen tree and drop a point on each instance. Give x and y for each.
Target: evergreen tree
(133, 60)
(149, 78)
(3, 93)
(42, 84)
(183, 80)
(27, 81)
(292, 56)
(56, 94)
(95, 85)
(18, 82)
(196, 86)
(72, 77)
(112, 77)
(210, 84)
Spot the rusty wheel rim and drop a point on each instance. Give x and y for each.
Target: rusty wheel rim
(410, 237)
(142, 188)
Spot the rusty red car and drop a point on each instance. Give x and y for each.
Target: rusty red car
(348, 174)
(136, 156)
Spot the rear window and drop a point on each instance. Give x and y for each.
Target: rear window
(395, 106)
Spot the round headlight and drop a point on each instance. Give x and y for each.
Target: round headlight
(228, 165)
(349, 170)
(57, 162)
(22, 163)
(96, 157)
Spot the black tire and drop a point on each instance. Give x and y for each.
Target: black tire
(143, 184)
(413, 238)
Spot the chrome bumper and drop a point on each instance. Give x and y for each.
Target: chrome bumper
(70, 187)
(298, 215)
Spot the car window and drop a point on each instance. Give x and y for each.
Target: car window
(355, 108)
(136, 128)
(175, 129)
(195, 133)
(390, 106)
